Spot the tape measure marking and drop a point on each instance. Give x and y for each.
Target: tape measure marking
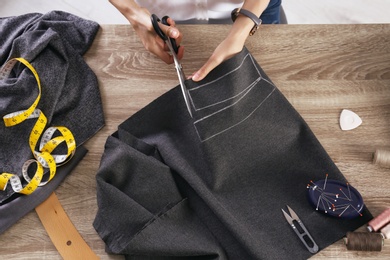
(43, 157)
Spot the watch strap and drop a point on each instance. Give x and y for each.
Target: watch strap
(256, 20)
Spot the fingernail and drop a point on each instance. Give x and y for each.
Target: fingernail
(195, 77)
(174, 33)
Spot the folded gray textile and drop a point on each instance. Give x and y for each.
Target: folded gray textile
(19, 205)
(212, 187)
(54, 44)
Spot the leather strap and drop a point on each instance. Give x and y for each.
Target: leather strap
(62, 232)
(248, 14)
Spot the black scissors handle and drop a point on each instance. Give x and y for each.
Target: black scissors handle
(156, 27)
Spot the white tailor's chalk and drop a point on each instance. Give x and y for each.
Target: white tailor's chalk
(349, 120)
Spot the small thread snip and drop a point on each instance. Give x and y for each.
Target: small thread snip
(382, 158)
(360, 241)
(379, 221)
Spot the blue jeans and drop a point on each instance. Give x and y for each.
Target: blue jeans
(271, 15)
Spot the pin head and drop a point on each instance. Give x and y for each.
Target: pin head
(343, 200)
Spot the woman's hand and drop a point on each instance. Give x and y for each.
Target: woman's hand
(225, 50)
(231, 45)
(139, 18)
(235, 40)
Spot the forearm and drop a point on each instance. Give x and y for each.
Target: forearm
(256, 6)
(242, 25)
(139, 18)
(129, 8)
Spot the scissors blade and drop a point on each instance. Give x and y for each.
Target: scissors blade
(293, 214)
(184, 91)
(287, 216)
(180, 75)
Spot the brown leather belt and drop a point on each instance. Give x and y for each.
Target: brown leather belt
(62, 232)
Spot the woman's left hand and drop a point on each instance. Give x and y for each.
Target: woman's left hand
(225, 50)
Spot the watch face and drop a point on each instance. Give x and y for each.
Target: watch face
(234, 14)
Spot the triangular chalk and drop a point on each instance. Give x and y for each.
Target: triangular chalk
(349, 120)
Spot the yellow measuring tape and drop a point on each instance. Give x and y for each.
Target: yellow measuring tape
(43, 155)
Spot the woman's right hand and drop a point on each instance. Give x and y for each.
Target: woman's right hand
(139, 18)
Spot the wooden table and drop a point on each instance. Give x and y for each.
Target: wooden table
(321, 69)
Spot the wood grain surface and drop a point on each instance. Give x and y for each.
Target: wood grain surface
(321, 69)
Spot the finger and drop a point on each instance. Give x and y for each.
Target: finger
(160, 42)
(170, 31)
(171, 22)
(166, 48)
(190, 77)
(206, 68)
(180, 52)
(165, 56)
(161, 53)
(179, 39)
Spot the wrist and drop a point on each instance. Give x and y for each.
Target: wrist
(139, 17)
(246, 18)
(240, 30)
(132, 13)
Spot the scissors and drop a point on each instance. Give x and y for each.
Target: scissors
(173, 48)
(300, 230)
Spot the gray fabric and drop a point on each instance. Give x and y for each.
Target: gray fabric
(19, 205)
(54, 44)
(212, 187)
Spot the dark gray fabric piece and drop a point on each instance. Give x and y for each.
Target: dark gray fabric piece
(54, 44)
(212, 187)
(19, 205)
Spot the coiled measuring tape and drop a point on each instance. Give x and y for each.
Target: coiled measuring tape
(43, 156)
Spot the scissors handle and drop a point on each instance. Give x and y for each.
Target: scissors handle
(160, 33)
(305, 237)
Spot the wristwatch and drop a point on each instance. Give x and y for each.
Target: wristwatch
(236, 12)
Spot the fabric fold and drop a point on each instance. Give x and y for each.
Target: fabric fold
(246, 154)
(53, 43)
